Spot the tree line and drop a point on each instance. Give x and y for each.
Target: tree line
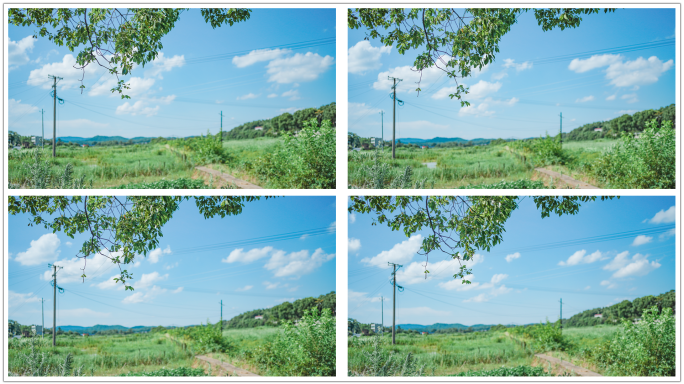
(625, 309)
(623, 124)
(287, 122)
(285, 311)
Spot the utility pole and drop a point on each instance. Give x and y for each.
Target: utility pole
(394, 294)
(54, 304)
(42, 124)
(561, 315)
(561, 129)
(382, 129)
(382, 315)
(394, 126)
(222, 316)
(54, 123)
(221, 135)
(42, 312)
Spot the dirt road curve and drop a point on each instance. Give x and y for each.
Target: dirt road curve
(566, 179)
(229, 178)
(228, 368)
(567, 365)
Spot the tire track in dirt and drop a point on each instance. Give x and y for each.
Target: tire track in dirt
(568, 365)
(566, 179)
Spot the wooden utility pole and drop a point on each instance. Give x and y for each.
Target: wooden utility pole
(394, 126)
(382, 129)
(394, 298)
(54, 117)
(221, 133)
(561, 129)
(561, 315)
(221, 316)
(54, 304)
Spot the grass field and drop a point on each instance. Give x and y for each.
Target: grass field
(472, 166)
(115, 355)
(113, 166)
(465, 354)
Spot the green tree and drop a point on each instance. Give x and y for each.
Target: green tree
(119, 228)
(459, 225)
(115, 39)
(455, 42)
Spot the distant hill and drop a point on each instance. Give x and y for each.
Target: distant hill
(626, 123)
(440, 326)
(438, 140)
(102, 139)
(287, 122)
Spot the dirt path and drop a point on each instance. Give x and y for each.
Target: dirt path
(566, 179)
(567, 365)
(229, 178)
(227, 368)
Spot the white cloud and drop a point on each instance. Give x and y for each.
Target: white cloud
(608, 284)
(270, 285)
(499, 76)
(71, 76)
(581, 257)
(16, 299)
(458, 285)
(414, 273)
(482, 297)
(157, 254)
(353, 244)
(480, 90)
(587, 287)
(352, 218)
(68, 244)
(637, 72)
(510, 63)
(611, 97)
(177, 290)
(641, 240)
(332, 228)
(248, 257)
(400, 253)
(363, 57)
(361, 297)
(664, 216)
(17, 51)
(585, 99)
(143, 297)
(667, 234)
(164, 64)
(411, 77)
(138, 108)
(596, 61)
(293, 94)
(73, 269)
(171, 266)
(43, 250)
(631, 98)
(512, 256)
(110, 283)
(477, 111)
(637, 265)
(298, 68)
(16, 108)
(624, 73)
(248, 96)
(258, 56)
(499, 277)
(272, 95)
(245, 288)
(296, 264)
(149, 279)
(138, 86)
(304, 237)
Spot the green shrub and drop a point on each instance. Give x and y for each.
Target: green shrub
(181, 183)
(518, 184)
(381, 362)
(521, 370)
(647, 348)
(182, 371)
(304, 160)
(303, 349)
(203, 338)
(646, 162)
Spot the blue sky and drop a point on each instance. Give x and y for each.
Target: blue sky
(520, 282)
(183, 91)
(521, 94)
(179, 283)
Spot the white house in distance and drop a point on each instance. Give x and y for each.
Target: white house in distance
(37, 330)
(598, 315)
(375, 141)
(598, 129)
(258, 317)
(258, 128)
